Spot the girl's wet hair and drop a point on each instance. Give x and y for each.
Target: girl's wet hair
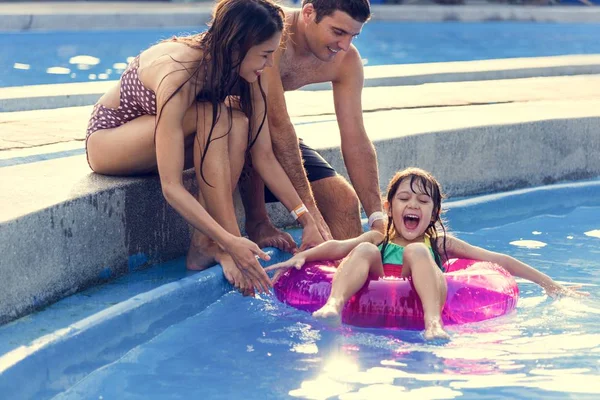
(420, 182)
(236, 26)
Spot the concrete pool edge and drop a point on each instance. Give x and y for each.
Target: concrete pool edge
(79, 209)
(40, 97)
(25, 16)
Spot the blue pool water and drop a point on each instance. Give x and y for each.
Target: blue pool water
(58, 57)
(260, 349)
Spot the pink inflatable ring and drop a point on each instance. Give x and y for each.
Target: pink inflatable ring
(476, 291)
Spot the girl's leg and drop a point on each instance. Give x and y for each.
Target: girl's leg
(362, 263)
(430, 285)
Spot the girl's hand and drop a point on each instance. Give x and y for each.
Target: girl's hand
(295, 262)
(556, 290)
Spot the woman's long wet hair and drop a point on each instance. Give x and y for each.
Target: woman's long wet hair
(426, 183)
(236, 26)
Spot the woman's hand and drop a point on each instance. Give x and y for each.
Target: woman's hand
(296, 261)
(245, 254)
(556, 290)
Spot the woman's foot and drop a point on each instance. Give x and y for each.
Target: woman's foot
(205, 253)
(434, 329)
(330, 313)
(234, 275)
(202, 252)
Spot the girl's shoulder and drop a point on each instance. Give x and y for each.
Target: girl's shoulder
(443, 241)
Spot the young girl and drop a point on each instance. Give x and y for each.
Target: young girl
(199, 101)
(415, 239)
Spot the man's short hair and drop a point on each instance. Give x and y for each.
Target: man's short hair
(360, 10)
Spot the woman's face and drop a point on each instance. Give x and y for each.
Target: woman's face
(259, 57)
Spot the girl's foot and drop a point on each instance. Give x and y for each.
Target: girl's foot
(434, 329)
(330, 313)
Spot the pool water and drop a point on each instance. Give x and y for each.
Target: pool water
(261, 349)
(33, 58)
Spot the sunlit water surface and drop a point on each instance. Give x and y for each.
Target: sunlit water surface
(260, 349)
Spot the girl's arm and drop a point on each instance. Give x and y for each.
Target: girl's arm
(330, 250)
(457, 248)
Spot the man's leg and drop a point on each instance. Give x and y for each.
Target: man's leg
(258, 225)
(339, 206)
(336, 199)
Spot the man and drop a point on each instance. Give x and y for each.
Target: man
(318, 48)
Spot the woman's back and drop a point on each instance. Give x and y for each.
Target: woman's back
(154, 65)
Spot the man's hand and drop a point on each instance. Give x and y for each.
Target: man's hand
(379, 226)
(321, 224)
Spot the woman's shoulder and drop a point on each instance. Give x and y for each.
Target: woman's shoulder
(170, 55)
(169, 64)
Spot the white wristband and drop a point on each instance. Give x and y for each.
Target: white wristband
(376, 216)
(298, 211)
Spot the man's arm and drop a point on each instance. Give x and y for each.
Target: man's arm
(357, 149)
(285, 143)
(283, 136)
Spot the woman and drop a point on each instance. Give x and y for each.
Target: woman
(173, 107)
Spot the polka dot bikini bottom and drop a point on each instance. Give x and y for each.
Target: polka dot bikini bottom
(136, 100)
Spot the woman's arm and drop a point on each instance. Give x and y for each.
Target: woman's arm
(457, 248)
(170, 155)
(170, 151)
(330, 250)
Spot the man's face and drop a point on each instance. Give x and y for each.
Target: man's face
(334, 33)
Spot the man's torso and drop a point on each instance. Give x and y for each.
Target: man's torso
(297, 71)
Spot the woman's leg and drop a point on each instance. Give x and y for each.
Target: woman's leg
(216, 186)
(362, 263)
(430, 285)
(129, 150)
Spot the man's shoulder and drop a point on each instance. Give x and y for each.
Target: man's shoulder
(351, 59)
(350, 66)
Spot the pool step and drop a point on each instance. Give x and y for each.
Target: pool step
(49, 351)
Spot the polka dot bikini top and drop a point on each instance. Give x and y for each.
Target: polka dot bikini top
(136, 99)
